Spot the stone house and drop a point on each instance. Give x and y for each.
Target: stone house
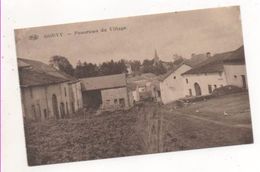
(46, 92)
(145, 90)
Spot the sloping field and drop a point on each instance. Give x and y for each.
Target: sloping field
(218, 121)
(82, 138)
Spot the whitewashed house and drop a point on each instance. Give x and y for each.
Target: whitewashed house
(172, 84)
(220, 70)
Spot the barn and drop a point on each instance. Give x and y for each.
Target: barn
(46, 92)
(106, 92)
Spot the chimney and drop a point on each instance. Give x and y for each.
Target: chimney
(208, 54)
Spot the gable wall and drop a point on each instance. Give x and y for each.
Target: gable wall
(173, 89)
(109, 96)
(233, 74)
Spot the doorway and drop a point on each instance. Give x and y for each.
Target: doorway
(62, 110)
(197, 89)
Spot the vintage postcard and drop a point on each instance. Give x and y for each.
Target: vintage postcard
(132, 86)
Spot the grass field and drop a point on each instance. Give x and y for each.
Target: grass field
(220, 121)
(199, 125)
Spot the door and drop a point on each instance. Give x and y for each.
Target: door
(210, 89)
(243, 81)
(190, 91)
(197, 89)
(67, 109)
(34, 112)
(62, 110)
(39, 113)
(55, 106)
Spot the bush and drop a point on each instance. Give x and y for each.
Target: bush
(228, 89)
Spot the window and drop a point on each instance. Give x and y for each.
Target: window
(122, 102)
(235, 76)
(187, 81)
(210, 89)
(115, 101)
(159, 93)
(34, 112)
(174, 77)
(220, 73)
(65, 91)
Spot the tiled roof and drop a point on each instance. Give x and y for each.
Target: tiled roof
(35, 73)
(42, 67)
(103, 82)
(215, 63)
(29, 78)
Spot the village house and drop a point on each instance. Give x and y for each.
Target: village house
(129, 69)
(106, 92)
(46, 92)
(145, 89)
(218, 71)
(172, 83)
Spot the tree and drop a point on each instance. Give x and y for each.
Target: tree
(111, 67)
(62, 63)
(148, 66)
(178, 59)
(86, 70)
(135, 65)
(159, 69)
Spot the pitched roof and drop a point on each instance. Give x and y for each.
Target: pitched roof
(215, 63)
(30, 78)
(42, 67)
(103, 82)
(36, 73)
(22, 64)
(163, 77)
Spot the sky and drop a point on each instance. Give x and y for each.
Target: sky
(135, 38)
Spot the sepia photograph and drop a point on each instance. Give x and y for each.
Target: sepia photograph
(133, 86)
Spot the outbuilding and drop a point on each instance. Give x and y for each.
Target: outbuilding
(106, 92)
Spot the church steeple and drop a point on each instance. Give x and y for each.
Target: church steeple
(156, 57)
